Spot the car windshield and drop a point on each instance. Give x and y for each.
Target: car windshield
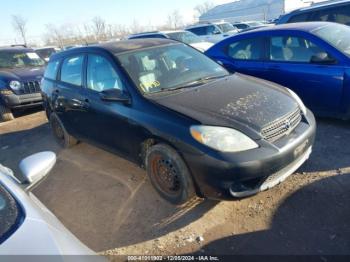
(12, 59)
(337, 35)
(165, 68)
(226, 27)
(185, 37)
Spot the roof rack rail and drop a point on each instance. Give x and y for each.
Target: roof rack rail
(20, 45)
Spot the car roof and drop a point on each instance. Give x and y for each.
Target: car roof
(16, 48)
(305, 26)
(119, 47)
(199, 25)
(320, 5)
(45, 47)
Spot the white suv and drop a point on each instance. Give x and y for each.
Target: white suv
(213, 32)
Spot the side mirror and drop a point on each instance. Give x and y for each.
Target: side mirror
(37, 166)
(115, 95)
(322, 58)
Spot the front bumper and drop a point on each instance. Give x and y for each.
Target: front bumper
(14, 101)
(232, 175)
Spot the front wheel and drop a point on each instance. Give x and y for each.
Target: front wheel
(169, 174)
(5, 113)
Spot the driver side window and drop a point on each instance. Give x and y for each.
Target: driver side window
(101, 75)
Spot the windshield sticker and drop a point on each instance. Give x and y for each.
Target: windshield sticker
(147, 85)
(33, 56)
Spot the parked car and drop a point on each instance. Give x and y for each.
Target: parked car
(329, 11)
(312, 59)
(27, 227)
(244, 26)
(212, 32)
(179, 35)
(46, 52)
(196, 128)
(21, 70)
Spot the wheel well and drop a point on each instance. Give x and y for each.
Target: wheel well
(148, 143)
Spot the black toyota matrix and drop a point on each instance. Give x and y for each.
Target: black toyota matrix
(196, 129)
(21, 70)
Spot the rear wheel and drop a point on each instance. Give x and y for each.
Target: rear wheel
(59, 132)
(5, 113)
(169, 174)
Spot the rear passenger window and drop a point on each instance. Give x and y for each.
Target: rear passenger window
(198, 30)
(292, 49)
(339, 14)
(299, 18)
(71, 71)
(51, 70)
(248, 49)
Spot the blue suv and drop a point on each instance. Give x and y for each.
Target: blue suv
(21, 71)
(337, 11)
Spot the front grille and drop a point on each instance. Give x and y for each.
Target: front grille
(282, 127)
(31, 87)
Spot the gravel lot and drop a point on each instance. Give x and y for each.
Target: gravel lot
(110, 205)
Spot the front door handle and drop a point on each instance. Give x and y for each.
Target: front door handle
(80, 104)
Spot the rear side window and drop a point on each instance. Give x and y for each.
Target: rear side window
(292, 49)
(247, 49)
(340, 14)
(71, 71)
(51, 70)
(198, 30)
(299, 18)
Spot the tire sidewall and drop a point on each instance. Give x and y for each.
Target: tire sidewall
(62, 142)
(5, 113)
(187, 188)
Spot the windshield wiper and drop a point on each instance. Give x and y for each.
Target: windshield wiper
(193, 83)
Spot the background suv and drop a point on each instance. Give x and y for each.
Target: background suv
(21, 70)
(330, 11)
(213, 32)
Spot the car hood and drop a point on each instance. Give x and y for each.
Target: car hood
(22, 74)
(202, 46)
(233, 101)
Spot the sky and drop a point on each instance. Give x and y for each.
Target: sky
(39, 13)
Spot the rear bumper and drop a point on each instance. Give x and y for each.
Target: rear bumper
(14, 101)
(232, 175)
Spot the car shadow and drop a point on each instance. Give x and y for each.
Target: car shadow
(331, 150)
(108, 202)
(312, 221)
(27, 111)
(16, 145)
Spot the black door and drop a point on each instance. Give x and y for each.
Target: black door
(69, 93)
(106, 122)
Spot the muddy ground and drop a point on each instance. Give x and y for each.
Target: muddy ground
(110, 205)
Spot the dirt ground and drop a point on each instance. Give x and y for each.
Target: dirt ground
(110, 205)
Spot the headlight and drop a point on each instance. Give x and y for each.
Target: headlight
(15, 85)
(298, 100)
(222, 138)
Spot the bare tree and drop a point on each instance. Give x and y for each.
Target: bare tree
(20, 25)
(175, 20)
(203, 8)
(99, 27)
